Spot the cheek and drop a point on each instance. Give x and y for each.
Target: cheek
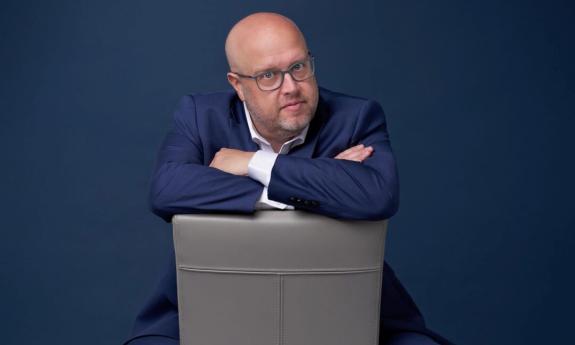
(311, 91)
(268, 108)
(271, 105)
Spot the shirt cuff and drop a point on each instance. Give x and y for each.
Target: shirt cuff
(260, 166)
(266, 204)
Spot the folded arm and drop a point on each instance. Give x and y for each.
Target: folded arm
(343, 188)
(358, 183)
(258, 165)
(181, 183)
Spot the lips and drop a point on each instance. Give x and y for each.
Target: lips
(292, 105)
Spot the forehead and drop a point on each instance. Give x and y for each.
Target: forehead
(270, 48)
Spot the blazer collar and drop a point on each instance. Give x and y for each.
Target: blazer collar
(238, 123)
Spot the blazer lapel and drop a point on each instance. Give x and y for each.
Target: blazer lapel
(239, 126)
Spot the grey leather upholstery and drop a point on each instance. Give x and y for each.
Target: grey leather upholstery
(278, 277)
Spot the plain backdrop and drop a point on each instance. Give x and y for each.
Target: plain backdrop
(479, 97)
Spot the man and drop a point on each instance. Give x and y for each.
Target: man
(278, 141)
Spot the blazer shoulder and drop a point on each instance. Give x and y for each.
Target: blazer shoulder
(208, 106)
(343, 107)
(210, 99)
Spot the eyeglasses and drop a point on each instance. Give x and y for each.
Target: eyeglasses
(273, 79)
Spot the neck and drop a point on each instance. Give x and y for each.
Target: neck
(277, 141)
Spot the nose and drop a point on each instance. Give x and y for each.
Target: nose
(289, 84)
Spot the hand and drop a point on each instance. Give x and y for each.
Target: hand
(356, 153)
(232, 161)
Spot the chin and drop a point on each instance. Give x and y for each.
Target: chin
(297, 124)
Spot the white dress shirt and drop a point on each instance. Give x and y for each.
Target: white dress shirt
(261, 164)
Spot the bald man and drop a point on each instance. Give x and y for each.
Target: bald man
(278, 141)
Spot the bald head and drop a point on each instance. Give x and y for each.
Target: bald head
(268, 45)
(260, 34)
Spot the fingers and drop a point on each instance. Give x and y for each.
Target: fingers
(356, 153)
(362, 155)
(349, 151)
(232, 161)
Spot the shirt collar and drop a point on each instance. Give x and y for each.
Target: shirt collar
(260, 140)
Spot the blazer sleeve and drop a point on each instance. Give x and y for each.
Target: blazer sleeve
(181, 183)
(343, 188)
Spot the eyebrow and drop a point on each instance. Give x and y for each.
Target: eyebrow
(262, 70)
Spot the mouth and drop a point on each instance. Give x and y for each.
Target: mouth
(293, 106)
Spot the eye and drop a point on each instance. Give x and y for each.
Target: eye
(267, 75)
(298, 66)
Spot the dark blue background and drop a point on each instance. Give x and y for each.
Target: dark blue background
(479, 97)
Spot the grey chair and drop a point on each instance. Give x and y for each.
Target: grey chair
(278, 277)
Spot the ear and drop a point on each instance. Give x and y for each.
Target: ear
(236, 84)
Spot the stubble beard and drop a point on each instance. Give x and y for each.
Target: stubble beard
(283, 128)
(295, 125)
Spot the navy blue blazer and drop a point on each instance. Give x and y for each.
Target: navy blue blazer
(307, 178)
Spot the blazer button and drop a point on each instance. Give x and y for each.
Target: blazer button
(292, 198)
(314, 203)
(298, 200)
(307, 202)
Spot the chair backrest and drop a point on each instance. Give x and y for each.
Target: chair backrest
(278, 277)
